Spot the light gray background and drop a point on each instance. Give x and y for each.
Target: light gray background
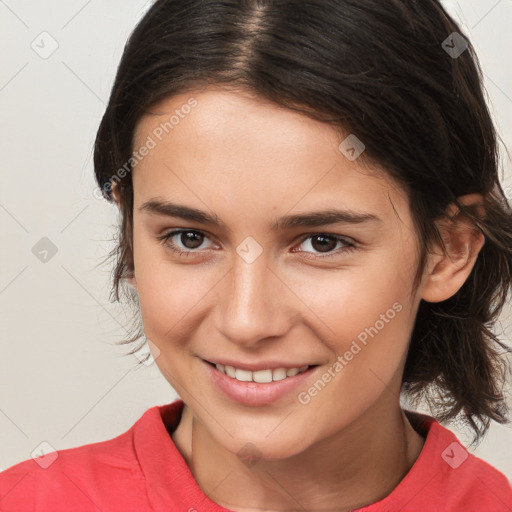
(62, 378)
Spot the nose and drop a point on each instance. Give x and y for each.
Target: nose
(255, 303)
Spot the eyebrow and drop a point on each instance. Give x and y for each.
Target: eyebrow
(309, 219)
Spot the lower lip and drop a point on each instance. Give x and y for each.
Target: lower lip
(256, 393)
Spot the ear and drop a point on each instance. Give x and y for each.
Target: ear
(132, 282)
(445, 275)
(115, 193)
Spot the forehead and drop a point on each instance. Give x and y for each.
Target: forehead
(217, 144)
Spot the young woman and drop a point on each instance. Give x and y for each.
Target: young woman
(312, 229)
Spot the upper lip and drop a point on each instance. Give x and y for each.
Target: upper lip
(260, 365)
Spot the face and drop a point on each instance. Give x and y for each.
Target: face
(263, 278)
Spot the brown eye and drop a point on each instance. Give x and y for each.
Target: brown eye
(321, 243)
(185, 241)
(191, 239)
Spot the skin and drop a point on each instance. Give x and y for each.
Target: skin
(250, 162)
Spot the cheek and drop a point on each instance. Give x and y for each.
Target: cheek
(369, 317)
(365, 314)
(170, 294)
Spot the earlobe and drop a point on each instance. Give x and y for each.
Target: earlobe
(115, 193)
(132, 282)
(447, 273)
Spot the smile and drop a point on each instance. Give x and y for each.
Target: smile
(259, 387)
(262, 376)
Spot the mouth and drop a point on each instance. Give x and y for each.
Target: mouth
(260, 387)
(262, 376)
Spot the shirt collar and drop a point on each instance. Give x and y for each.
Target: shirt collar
(169, 481)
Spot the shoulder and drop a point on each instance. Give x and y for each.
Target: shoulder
(90, 477)
(446, 477)
(472, 483)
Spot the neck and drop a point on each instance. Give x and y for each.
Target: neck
(352, 468)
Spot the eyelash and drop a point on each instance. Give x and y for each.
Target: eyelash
(349, 247)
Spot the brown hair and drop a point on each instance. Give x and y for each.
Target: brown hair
(383, 71)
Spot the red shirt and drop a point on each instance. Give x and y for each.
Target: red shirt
(141, 470)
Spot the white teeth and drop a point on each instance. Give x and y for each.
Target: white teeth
(279, 374)
(230, 371)
(261, 376)
(243, 375)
